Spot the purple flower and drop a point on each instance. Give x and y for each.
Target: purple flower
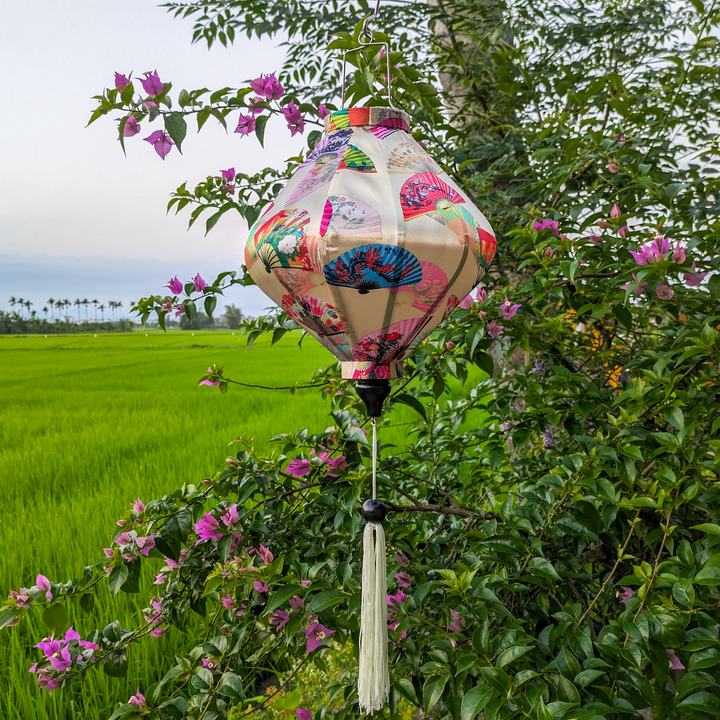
(641, 288)
(678, 255)
(158, 632)
(626, 594)
(481, 295)
(246, 125)
(258, 85)
(61, 660)
(457, 623)
(543, 224)
(199, 283)
(279, 619)
(398, 599)
(132, 127)
(161, 141)
(403, 579)
(138, 699)
(693, 279)
(402, 559)
(230, 516)
(315, 634)
(21, 598)
(519, 406)
(664, 292)
(548, 439)
(644, 255)
(296, 603)
(597, 239)
(139, 506)
(121, 82)
(294, 119)
(265, 555)
(228, 602)
(211, 665)
(466, 302)
(42, 583)
(160, 579)
(494, 330)
(145, 544)
(273, 89)
(615, 211)
(207, 528)
(123, 539)
(675, 663)
(305, 583)
(228, 174)
(482, 315)
(175, 286)
(508, 310)
(87, 645)
(622, 232)
(613, 166)
(298, 468)
(261, 587)
(302, 713)
(152, 84)
(323, 112)
(539, 368)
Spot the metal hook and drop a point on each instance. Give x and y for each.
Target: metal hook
(366, 39)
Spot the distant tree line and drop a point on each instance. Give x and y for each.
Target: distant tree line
(12, 323)
(53, 306)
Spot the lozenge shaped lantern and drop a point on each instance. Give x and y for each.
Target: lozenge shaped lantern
(370, 244)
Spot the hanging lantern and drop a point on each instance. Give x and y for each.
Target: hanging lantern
(370, 244)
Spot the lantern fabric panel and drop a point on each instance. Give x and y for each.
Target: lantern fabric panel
(370, 244)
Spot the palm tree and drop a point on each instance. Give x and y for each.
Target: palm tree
(51, 303)
(12, 302)
(28, 305)
(78, 303)
(33, 314)
(86, 302)
(45, 310)
(119, 304)
(21, 303)
(102, 313)
(95, 303)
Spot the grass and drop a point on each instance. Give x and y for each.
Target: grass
(87, 425)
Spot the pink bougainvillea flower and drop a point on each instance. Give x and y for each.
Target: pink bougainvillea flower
(613, 166)
(265, 555)
(273, 89)
(139, 506)
(152, 84)
(481, 295)
(643, 256)
(508, 310)
(161, 141)
(145, 544)
(121, 81)
(659, 247)
(228, 602)
(323, 112)
(123, 539)
(296, 603)
(678, 255)
(138, 699)
(42, 583)
(401, 559)
(230, 189)
(158, 632)
(121, 523)
(199, 283)
(626, 594)
(49, 646)
(303, 714)
(622, 232)
(641, 288)
(211, 383)
(211, 665)
(694, 278)
(403, 579)
(467, 301)
(87, 645)
(160, 579)
(230, 516)
(398, 599)
(228, 174)
(279, 619)
(207, 529)
(544, 224)
(305, 583)
(619, 138)
(597, 239)
(132, 127)
(549, 252)
(147, 104)
(261, 587)
(21, 598)
(175, 286)
(246, 125)
(315, 635)
(615, 211)
(675, 663)
(298, 468)
(494, 330)
(602, 224)
(61, 660)
(482, 315)
(258, 85)
(664, 292)
(457, 623)
(294, 119)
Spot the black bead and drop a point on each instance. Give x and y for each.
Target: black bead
(373, 511)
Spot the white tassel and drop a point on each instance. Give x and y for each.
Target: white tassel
(374, 676)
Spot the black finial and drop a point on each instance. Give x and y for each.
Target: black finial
(373, 511)
(373, 394)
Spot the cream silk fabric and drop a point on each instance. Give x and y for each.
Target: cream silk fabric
(370, 244)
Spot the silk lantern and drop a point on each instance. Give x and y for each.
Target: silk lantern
(368, 247)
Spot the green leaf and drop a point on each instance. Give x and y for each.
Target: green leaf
(675, 417)
(484, 362)
(117, 579)
(512, 653)
(7, 617)
(433, 690)
(407, 690)
(543, 568)
(56, 618)
(497, 678)
(260, 123)
(703, 702)
(281, 596)
(474, 701)
(210, 303)
(708, 576)
(587, 676)
(124, 710)
(176, 128)
(710, 528)
(325, 600)
(412, 402)
(623, 316)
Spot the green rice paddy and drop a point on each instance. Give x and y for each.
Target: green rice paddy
(87, 425)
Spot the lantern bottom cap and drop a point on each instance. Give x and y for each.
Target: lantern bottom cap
(359, 370)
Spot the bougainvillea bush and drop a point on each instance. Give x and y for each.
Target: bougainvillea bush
(554, 533)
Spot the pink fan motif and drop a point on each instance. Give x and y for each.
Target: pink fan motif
(314, 314)
(347, 217)
(428, 293)
(381, 347)
(299, 282)
(424, 193)
(409, 157)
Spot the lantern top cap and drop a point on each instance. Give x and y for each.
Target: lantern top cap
(367, 116)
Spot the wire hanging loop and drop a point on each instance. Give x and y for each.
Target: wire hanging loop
(366, 38)
(374, 459)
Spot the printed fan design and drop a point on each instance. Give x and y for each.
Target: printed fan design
(355, 159)
(280, 242)
(314, 314)
(346, 216)
(390, 343)
(373, 266)
(411, 158)
(427, 294)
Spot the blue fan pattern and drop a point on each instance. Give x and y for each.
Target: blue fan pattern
(373, 266)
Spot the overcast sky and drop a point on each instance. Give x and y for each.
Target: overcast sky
(77, 218)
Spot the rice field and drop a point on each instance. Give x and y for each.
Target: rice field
(87, 425)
